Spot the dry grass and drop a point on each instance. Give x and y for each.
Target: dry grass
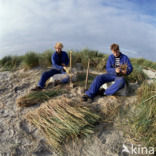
(145, 121)
(137, 75)
(61, 120)
(123, 67)
(38, 97)
(141, 118)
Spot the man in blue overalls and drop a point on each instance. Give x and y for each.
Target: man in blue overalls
(59, 61)
(114, 73)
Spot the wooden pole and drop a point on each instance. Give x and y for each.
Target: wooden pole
(70, 53)
(70, 77)
(87, 73)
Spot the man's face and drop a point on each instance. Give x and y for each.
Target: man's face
(58, 50)
(116, 53)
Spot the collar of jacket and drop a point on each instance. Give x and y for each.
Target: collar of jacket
(119, 55)
(58, 53)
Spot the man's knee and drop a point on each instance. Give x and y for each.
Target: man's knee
(45, 74)
(99, 78)
(120, 81)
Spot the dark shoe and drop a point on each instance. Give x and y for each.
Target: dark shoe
(86, 98)
(101, 92)
(90, 100)
(57, 82)
(37, 88)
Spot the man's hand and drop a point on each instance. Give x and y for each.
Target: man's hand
(117, 70)
(124, 72)
(67, 69)
(64, 67)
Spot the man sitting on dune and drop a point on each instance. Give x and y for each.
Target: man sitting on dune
(59, 61)
(118, 65)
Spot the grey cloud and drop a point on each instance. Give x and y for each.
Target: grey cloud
(37, 25)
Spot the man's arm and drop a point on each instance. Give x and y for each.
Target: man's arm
(109, 67)
(65, 59)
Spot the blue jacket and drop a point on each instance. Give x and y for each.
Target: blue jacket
(110, 66)
(59, 59)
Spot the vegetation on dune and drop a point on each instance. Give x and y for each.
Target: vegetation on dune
(98, 60)
(143, 63)
(11, 62)
(45, 58)
(81, 77)
(137, 75)
(37, 97)
(143, 122)
(30, 60)
(63, 119)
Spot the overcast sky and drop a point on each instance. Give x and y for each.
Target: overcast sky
(38, 24)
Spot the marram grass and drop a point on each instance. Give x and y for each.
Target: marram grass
(144, 122)
(137, 75)
(61, 120)
(37, 97)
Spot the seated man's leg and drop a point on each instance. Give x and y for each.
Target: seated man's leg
(96, 84)
(119, 83)
(46, 75)
(65, 80)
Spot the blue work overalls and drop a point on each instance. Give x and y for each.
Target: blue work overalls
(57, 61)
(110, 76)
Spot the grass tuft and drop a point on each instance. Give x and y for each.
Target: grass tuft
(143, 125)
(143, 63)
(10, 62)
(31, 60)
(45, 58)
(37, 97)
(137, 75)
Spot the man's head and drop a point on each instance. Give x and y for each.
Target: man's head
(115, 49)
(58, 47)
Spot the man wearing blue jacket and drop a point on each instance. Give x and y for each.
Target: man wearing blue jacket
(59, 61)
(114, 73)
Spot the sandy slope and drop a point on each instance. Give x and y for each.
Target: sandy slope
(18, 137)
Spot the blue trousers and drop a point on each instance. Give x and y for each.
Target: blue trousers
(46, 75)
(105, 78)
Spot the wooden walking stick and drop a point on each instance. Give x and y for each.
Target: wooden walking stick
(70, 76)
(87, 72)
